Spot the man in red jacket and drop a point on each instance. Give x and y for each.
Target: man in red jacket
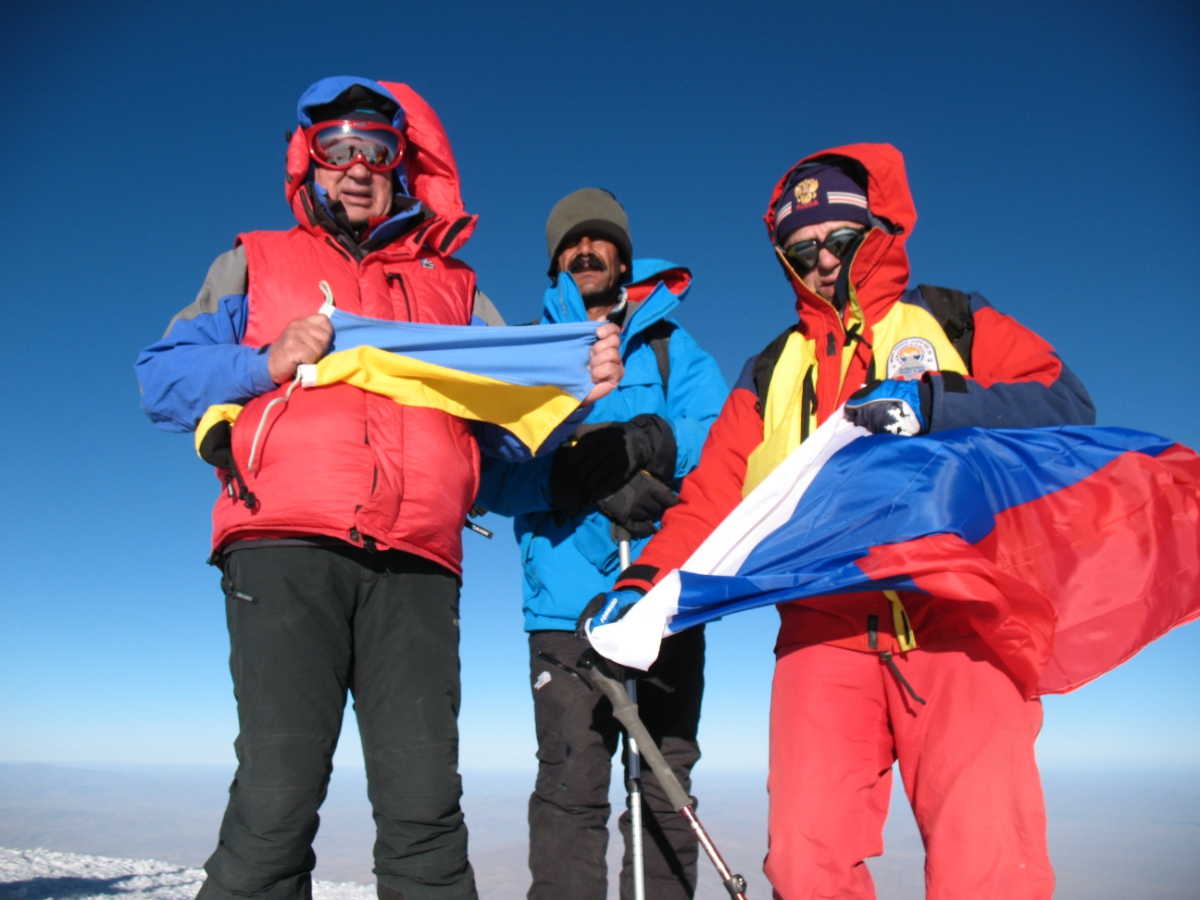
(887, 676)
(340, 544)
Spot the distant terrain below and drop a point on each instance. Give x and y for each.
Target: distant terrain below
(1112, 834)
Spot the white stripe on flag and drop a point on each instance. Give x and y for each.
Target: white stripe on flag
(634, 640)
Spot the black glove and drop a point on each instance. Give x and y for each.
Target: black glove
(566, 493)
(606, 455)
(216, 445)
(638, 505)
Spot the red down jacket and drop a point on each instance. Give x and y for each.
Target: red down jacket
(338, 461)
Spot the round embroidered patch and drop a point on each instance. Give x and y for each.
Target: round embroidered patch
(911, 358)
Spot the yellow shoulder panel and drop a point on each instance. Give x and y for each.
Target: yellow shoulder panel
(908, 340)
(782, 415)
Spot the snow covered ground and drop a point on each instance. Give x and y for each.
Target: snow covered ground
(47, 875)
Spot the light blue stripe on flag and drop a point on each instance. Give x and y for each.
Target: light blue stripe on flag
(530, 356)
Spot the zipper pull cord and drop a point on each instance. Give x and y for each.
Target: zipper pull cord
(886, 656)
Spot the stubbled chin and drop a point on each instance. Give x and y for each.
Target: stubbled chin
(589, 285)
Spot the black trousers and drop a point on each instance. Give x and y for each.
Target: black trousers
(306, 625)
(577, 737)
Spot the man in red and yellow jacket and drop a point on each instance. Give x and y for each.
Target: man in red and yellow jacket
(339, 532)
(845, 701)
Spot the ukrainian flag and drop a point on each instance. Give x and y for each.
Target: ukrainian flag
(524, 379)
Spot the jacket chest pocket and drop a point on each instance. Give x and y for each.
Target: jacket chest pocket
(436, 300)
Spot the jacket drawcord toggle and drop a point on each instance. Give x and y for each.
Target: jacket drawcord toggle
(243, 493)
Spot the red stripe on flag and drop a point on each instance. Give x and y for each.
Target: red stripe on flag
(1116, 556)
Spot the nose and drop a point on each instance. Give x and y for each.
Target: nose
(585, 245)
(827, 262)
(359, 171)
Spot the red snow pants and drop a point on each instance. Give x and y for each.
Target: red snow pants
(839, 719)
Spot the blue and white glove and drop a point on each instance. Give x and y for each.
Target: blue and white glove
(606, 608)
(892, 406)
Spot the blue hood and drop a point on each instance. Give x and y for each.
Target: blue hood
(327, 90)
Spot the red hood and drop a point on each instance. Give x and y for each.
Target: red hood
(677, 279)
(432, 174)
(879, 270)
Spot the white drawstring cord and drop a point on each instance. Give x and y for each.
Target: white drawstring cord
(263, 421)
(328, 306)
(326, 310)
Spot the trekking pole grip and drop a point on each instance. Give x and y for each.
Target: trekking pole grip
(625, 712)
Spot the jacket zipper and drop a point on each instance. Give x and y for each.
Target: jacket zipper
(332, 243)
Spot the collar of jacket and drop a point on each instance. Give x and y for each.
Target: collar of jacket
(400, 235)
(656, 289)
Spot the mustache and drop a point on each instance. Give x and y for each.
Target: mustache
(586, 262)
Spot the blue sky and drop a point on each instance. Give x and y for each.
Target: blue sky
(1052, 153)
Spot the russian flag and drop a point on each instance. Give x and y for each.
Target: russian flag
(1070, 548)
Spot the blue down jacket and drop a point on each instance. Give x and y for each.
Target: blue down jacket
(568, 559)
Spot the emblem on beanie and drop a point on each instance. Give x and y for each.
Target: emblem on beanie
(911, 358)
(806, 192)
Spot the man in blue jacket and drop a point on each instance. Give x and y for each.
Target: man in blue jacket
(619, 472)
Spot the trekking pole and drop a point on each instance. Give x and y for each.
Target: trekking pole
(625, 711)
(633, 761)
(633, 773)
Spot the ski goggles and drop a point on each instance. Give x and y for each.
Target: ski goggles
(341, 144)
(804, 255)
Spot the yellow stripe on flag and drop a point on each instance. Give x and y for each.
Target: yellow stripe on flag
(530, 413)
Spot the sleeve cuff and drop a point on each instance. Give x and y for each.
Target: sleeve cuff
(637, 577)
(260, 372)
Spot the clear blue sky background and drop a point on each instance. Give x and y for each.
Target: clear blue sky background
(1052, 150)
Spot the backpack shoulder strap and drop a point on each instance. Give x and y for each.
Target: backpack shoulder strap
(764, 365)
(952, 310)
(658, 336)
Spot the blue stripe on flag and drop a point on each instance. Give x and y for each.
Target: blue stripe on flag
(885, 489)
(520, 355)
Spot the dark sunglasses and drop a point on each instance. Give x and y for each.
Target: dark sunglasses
(804, 255)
